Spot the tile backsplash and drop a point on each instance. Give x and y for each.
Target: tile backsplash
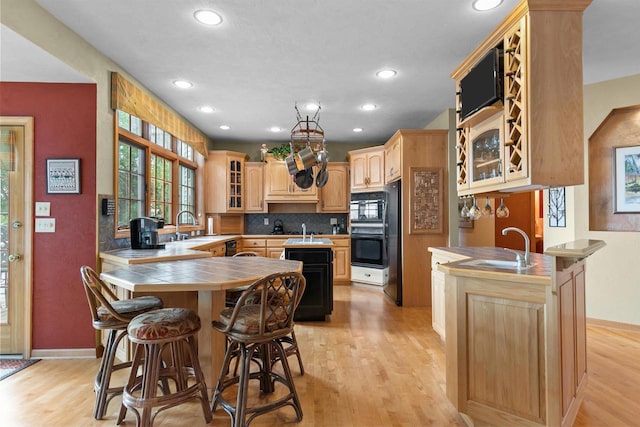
(254, 224)
(315, 223)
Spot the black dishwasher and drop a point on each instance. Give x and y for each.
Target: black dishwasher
(230, 248)
(317, 269)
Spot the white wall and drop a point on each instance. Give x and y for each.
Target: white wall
(613, 273)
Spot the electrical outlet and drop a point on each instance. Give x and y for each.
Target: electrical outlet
(333, 221)
(266, 221)
(45, 225)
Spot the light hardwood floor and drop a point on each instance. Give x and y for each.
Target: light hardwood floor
(371, 364)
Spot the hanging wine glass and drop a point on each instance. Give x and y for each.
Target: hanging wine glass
(475, 211)
(464, 212)
(487, 210)
(502, 211)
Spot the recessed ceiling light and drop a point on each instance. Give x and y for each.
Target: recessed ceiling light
(369, 107)
(208, 17)
(357, 130)
(225, 127)
(275, 129)
(482, 5)
(182, 84)
(311, 106)
(206, 109)
(386, 74)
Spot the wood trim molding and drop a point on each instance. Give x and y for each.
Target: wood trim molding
(613, 325)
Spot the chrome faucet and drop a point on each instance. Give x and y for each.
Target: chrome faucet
(304, 231)
(523, 260)
(182, 236)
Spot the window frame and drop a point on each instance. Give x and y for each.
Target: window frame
(150, 147)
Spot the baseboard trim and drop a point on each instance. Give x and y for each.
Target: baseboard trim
(64, 353)
(613, 325)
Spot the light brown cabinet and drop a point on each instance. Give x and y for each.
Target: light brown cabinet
(539, 117)
(393, 159)
(258, 246)
(254, 179)
(279, 186)
(334, 196)
(224, 182)
(342, 258)
(367, 169)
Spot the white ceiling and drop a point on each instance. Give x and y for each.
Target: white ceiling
(269, 54)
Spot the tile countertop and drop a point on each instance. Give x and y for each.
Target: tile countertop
(539, 272)
(183, 249)
(308, 243)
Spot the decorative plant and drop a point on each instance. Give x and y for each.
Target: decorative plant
(280, 152)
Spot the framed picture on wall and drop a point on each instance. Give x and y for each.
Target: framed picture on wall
(557, 207)
(426, 200)
(63, 176)
(627, 179)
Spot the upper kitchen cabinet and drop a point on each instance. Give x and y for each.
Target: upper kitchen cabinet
(393, 159)
(254, 187)
(367, 169)
(280, 187)
(224, 182)
(334, 196)
(519, 102)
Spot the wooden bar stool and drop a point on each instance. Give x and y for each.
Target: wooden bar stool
(153, 332)
(110, 314)
(289, 342)
(254, 327)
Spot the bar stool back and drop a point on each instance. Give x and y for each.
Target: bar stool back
(108, 313)
(254, 327)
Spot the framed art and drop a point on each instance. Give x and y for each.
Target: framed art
(63, 176)
(427, 201)
(557, 207)
(627, 179)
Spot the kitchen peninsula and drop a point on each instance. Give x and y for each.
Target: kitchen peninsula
(516, 337)
(207, 279)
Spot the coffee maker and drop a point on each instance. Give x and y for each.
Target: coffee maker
(144, 233)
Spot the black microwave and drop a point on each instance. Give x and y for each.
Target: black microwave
(368, 207)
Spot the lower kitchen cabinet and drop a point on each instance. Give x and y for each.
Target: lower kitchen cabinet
(342, 259)
(317, 269)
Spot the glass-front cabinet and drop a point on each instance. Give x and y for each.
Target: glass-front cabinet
(224, 182)
(486, 152)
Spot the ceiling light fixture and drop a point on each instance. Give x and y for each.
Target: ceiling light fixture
(386, 74)
(208, 17)
(225, 127)
(369, 107)
(357, 130)
(275, 129)
(206, 109)
(311, 106)
(182, 84)
(482, 5)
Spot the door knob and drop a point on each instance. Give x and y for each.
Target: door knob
(14, 257)
(16, 224)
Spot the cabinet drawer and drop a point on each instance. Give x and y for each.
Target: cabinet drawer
(275, 243)
(253, 243)
(339, 242)
(371, 276)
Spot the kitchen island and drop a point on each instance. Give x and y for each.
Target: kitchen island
(516, 338)
(317, 257)
(209, 278)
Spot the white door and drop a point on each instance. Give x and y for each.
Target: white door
(16, 178)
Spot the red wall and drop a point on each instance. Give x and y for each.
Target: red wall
(65, 127)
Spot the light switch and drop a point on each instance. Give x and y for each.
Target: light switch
(45, 225)
(333, 221)
(43, 208)
(266, 221)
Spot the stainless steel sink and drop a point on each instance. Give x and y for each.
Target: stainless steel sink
(495, 263)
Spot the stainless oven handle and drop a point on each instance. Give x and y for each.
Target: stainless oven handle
(367, 224)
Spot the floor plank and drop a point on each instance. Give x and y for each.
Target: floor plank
(371, 364)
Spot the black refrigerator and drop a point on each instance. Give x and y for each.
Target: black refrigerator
(393, 227)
